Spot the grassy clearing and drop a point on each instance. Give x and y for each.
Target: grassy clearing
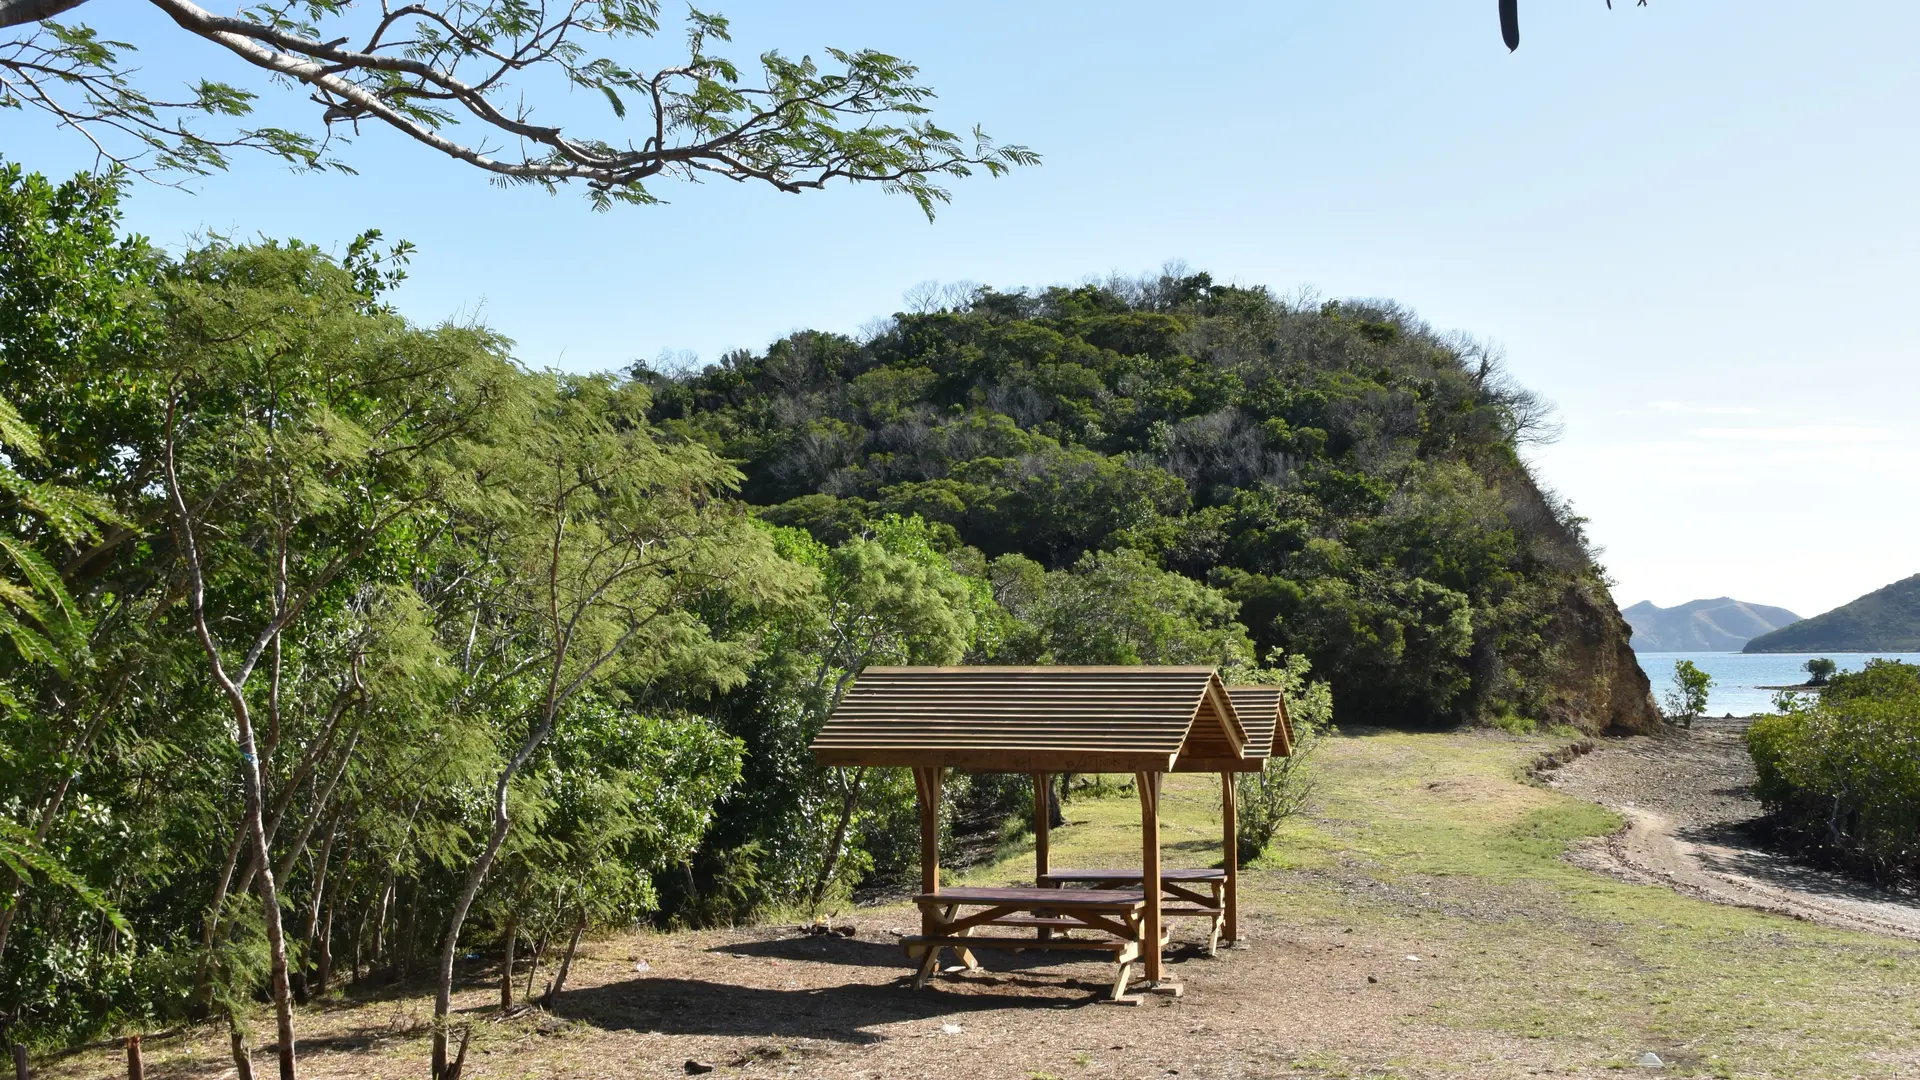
(1428, 846)
(1438, 844)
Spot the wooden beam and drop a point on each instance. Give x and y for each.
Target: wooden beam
(1042, 820)
(1217, 765)
(926, 784)
(1149, 786)
(1230, 837)
(998, 759)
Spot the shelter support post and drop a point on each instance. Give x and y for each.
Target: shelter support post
(926, 784)
(1149, 786)
(1230, 840)
(1042, 819)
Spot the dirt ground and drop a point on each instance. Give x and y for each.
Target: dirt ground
(1422, 921)
(1688, 801)
(770, 1003)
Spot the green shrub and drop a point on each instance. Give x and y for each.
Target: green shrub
(1265, 799)
(1841, 771)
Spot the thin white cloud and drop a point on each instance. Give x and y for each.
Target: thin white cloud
(1799, 433)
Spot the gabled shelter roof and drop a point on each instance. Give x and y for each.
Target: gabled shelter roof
(1033, 719)
(1263, 713)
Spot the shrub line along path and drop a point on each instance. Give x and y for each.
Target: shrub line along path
(1689, 806)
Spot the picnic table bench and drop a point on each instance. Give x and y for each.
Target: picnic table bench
(1178, 885)
(1116, 915)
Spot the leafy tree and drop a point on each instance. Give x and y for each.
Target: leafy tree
(1819, 670)
(1116, 607)
(318, 455)
(46, 629)
(434, 71)
(600, 541)
(891, 599)
(1266, 799)
(521, 655)
(1841, 769)
(1347, 477)
(37, 615)
(1687, 698)
(617, 798)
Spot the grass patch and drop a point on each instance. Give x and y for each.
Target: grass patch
(1437, 845)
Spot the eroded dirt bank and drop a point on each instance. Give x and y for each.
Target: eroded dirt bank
(1687, 797)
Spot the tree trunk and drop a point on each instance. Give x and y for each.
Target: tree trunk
(566, 962)
(506, 964)
(460, 1060)
(326, 953)
(476, 876)
(849, 802)
(136, 1069)
(380, 922)
(406, 930)
(317, 951)
(539, 953)
(359, 943)
(203, 986)
(269, 901)
(20, 1071)
(242, 1057)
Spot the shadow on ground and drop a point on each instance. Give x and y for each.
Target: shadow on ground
(844, 1012)
(836, 1013)
(1735, 848)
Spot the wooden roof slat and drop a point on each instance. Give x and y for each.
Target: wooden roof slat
(1264, 710)
(1079, 719)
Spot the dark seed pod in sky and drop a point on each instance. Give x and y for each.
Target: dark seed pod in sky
(1510, 23)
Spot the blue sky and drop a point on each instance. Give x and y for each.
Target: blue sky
(1693, 226)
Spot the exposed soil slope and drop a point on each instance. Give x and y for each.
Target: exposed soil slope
(1687, 797)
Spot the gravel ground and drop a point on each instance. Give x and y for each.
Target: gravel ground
(1688, 798)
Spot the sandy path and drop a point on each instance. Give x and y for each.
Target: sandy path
(1687, 798)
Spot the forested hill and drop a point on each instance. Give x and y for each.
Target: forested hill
(1343, 480)
(1884, 620)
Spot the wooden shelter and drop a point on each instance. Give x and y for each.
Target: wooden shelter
(1148, 721)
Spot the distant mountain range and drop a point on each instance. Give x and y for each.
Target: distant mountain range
(1885, 620)
(1721, 625)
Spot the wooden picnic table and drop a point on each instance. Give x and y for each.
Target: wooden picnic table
(1176, 884)
(1117, 916)
(1147, 720)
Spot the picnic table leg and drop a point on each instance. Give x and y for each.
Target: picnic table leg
(1122, 971)
(960, 953)
(928, 964)
(1213, 937)
(934, 924)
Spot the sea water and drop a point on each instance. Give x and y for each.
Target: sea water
(1738, 677)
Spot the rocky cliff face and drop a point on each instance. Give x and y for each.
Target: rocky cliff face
(1602, 688)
